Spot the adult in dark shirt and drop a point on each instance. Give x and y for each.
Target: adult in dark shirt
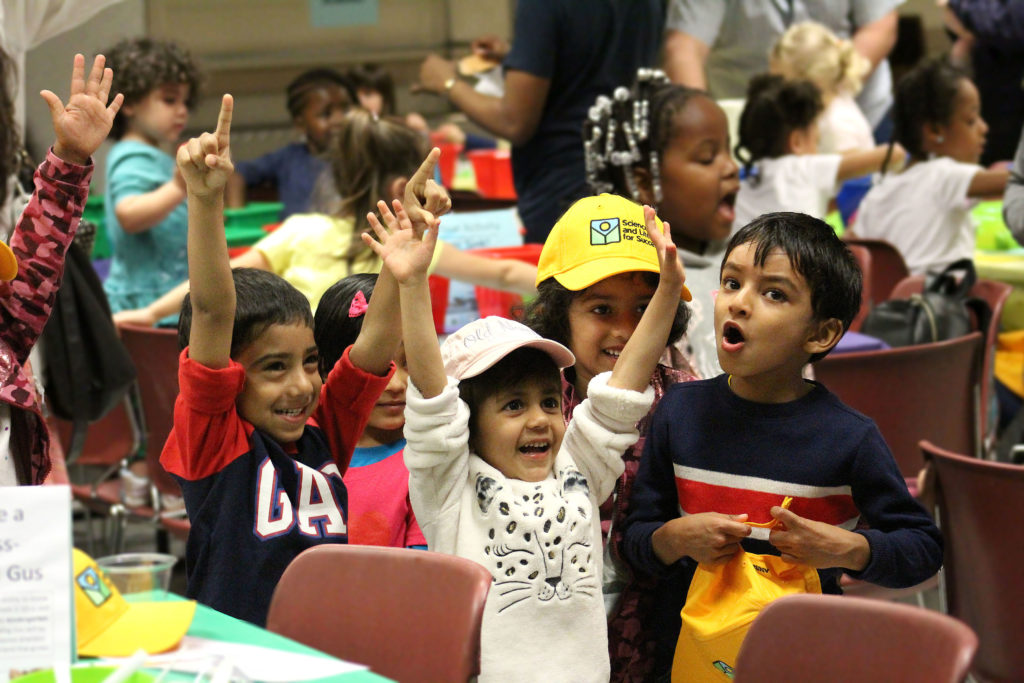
(564, 55)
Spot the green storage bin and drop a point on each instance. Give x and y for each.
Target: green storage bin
(94, 212)
(992, 233)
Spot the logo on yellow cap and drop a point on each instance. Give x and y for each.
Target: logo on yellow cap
(605, 231)
(93, 586)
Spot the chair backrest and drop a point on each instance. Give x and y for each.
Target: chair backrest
(979, 506)
(838, 639)
(155, 354)
(927, 391)
(887, 266)
(410, 615)
(995, 294)
(863, 256)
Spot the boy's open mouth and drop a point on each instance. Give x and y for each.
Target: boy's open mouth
(732, 334)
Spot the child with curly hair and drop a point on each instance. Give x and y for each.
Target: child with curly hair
(146, 216)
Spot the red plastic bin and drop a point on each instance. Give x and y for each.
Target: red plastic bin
(498, 302)
(493, 170)
(438, 300)
(446, 165)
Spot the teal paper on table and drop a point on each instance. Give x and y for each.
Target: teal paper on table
(327, 13)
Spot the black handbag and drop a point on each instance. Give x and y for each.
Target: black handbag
(944, 310)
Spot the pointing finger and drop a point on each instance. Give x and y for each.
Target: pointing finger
(426, 169)
(227, 107)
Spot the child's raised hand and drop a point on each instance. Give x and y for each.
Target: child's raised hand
(84, 122)
(425, 201)
(205, 161)
(405, 249)
(672, 274)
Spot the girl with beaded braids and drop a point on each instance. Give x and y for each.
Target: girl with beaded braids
(779, 149)
(925, 209)
(667, 145)
(146, 216)
(317, 101)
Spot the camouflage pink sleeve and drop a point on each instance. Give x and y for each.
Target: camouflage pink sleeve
(40, 241)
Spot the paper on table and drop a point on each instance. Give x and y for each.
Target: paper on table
(194, 655)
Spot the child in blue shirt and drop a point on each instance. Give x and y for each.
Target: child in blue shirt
(146, 216)
(317, 102)
(724, 452)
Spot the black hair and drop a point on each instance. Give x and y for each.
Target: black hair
(631, 130)
(924, 95)
(309, 81)
(816, 253)
(262, 299)
(548, 313)
(10, 136)
(372, 77)
(775, 107)
(333, 329)
(141, 65)
(522, 365)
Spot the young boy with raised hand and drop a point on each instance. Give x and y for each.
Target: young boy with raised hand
(725, 452)
(496, 476)
(260, 442)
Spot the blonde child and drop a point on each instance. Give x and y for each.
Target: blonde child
(379, 510)
(497, 477)
(260, 442)
(779, 149)
(31, 268)
(372, 162)
(926, 209)
(682, 166)
(810, 51)
(723, 452)
(144, 204)
(590, 298)
(317, 101)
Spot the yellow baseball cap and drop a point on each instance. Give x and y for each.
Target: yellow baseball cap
(598, 237)
(109, 626)
(8, 263)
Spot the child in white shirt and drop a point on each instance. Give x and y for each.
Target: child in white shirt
(778, 146)
(497, 477)
(926, 209)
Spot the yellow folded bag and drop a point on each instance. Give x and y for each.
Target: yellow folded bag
(722, 602)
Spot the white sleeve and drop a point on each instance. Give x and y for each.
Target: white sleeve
(701, 19)
(951, 180)
(436, 453)
(820, 171)
(602, 428)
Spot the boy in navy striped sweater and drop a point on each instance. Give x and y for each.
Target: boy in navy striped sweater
(723, 453)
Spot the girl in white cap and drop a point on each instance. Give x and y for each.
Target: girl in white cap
(497, 477)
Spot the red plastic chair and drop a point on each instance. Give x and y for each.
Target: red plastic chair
(927, 391)
(980, 504)
(887, 266)
(155, 354)
(863, 256)
(850, 640)
(995, 293)
(410, 615)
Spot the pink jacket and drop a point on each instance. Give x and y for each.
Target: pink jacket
(40, 241)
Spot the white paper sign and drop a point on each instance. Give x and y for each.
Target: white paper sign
(35, 578)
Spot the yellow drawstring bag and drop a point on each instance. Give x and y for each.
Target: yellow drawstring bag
(722, 602)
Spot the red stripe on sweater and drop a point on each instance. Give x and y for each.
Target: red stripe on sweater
(695, 497)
